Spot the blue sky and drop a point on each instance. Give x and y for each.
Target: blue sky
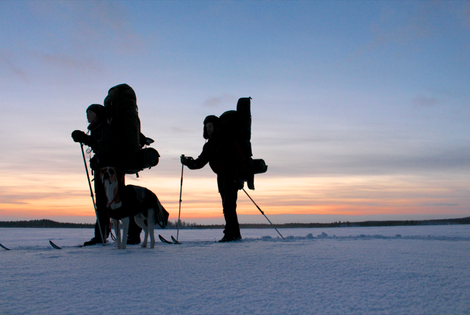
(360, 108)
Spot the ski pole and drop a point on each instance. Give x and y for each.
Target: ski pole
(263, 213)
(91, 192)
(179, 210)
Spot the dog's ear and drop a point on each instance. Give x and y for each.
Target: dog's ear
(120, 176)
(101, 172)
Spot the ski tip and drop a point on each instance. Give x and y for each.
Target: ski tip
(5, 248)
(163, 239)
(175, 240)
(54, 245)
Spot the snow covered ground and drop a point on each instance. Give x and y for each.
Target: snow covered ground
(384, 270)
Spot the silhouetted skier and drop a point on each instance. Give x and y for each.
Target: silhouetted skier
(227, 161)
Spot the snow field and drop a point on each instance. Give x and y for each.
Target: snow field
(388, 270)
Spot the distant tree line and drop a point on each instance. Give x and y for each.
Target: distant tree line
(182, 225)
(413, 222)
(43, 224)
(185, 225)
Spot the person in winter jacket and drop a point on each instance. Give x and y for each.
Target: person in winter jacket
(99, 141)
(227, 161)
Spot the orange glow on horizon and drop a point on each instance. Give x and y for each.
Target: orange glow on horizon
(306, 196)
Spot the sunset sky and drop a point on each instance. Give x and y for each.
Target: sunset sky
(361, 109)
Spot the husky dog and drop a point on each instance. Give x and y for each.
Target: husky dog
(139, 202)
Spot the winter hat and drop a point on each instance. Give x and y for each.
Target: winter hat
(210, 119)
(98, 109)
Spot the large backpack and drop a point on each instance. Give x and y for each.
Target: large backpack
(236, 125)
(127, 140)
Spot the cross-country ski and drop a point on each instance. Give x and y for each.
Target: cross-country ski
(55, 246)
(164, 240)
(5, 248)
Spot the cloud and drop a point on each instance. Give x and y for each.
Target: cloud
(423, 101)
(218, 101)
(466, 11)
(80, 27)
(106, 22)
(72, 63)
(65, 35)
(32, 194)
(407, 24)
(361, 153)
(10, 65)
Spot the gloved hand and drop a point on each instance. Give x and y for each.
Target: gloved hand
(79, 136)
(185, 160)
(239, 183)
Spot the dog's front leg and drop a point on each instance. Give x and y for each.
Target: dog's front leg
(125, 230)
(117, 231)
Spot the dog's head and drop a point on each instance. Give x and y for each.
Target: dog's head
(110, 174)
